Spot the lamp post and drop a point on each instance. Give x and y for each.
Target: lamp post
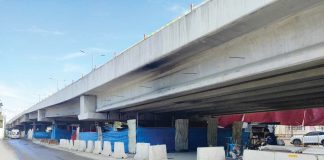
(92, 57)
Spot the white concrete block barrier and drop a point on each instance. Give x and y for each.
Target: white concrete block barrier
(119, 150)
(63, 143)
(82, 146)
(142, 151)
(270, 155)
(90, 147)
(320, 157)
(158, 152)
(98, 147)
(75, 145)
(293, 156)
(211, 153)
(106, 149)
(253, 155)
(70, 144)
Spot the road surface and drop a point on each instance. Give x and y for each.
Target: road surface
(17, 149)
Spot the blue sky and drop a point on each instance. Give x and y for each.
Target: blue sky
(40, 40)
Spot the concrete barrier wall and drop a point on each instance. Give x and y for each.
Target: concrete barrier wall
(268, 155)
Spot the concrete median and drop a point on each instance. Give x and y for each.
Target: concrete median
(82, 146)
(90, 147)
(211, 153)
(158, 152)
(119, 150)
(106, 149)
(98, 147)
(142, 151)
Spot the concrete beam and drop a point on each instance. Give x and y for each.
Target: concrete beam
(88, 105)
(287, 79)
(41, 116)
(67, 109)
(275, 60)
(33, 115)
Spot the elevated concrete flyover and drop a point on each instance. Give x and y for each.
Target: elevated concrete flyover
(224, 57)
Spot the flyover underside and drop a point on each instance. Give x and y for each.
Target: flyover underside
(299, 89)
(277, 67)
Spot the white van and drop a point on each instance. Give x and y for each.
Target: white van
(14, 134)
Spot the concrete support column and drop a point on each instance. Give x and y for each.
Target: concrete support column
(237, 132)
(181, 137)
(99, 131)
(41, 116)
(25, 130)
(212, 125)
(131, 135)
(53, 135)
(34, 126)
(77, 133)
(88, 106)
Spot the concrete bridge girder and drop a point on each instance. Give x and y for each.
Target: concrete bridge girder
(199, 58)
(278, 59)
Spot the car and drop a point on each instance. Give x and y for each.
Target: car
(316, 137)
(14, 134)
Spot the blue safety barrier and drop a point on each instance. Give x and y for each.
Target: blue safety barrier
(88, 136)
(197, 137)
(156, 136)
(58, 133)
(42, 135)
(116, 136)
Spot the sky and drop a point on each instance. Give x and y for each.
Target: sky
(45, 45)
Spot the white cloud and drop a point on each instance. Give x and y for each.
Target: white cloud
(43, 31)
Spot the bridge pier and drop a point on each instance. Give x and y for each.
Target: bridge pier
(88, 105)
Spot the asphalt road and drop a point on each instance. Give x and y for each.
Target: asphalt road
(17, 149)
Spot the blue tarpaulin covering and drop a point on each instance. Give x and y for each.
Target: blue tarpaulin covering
(245, 138)
(42, 135)
(223, 135)
(156, 136)
(116, 136)
(58, 133)
(92, 136)
(197, 137)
